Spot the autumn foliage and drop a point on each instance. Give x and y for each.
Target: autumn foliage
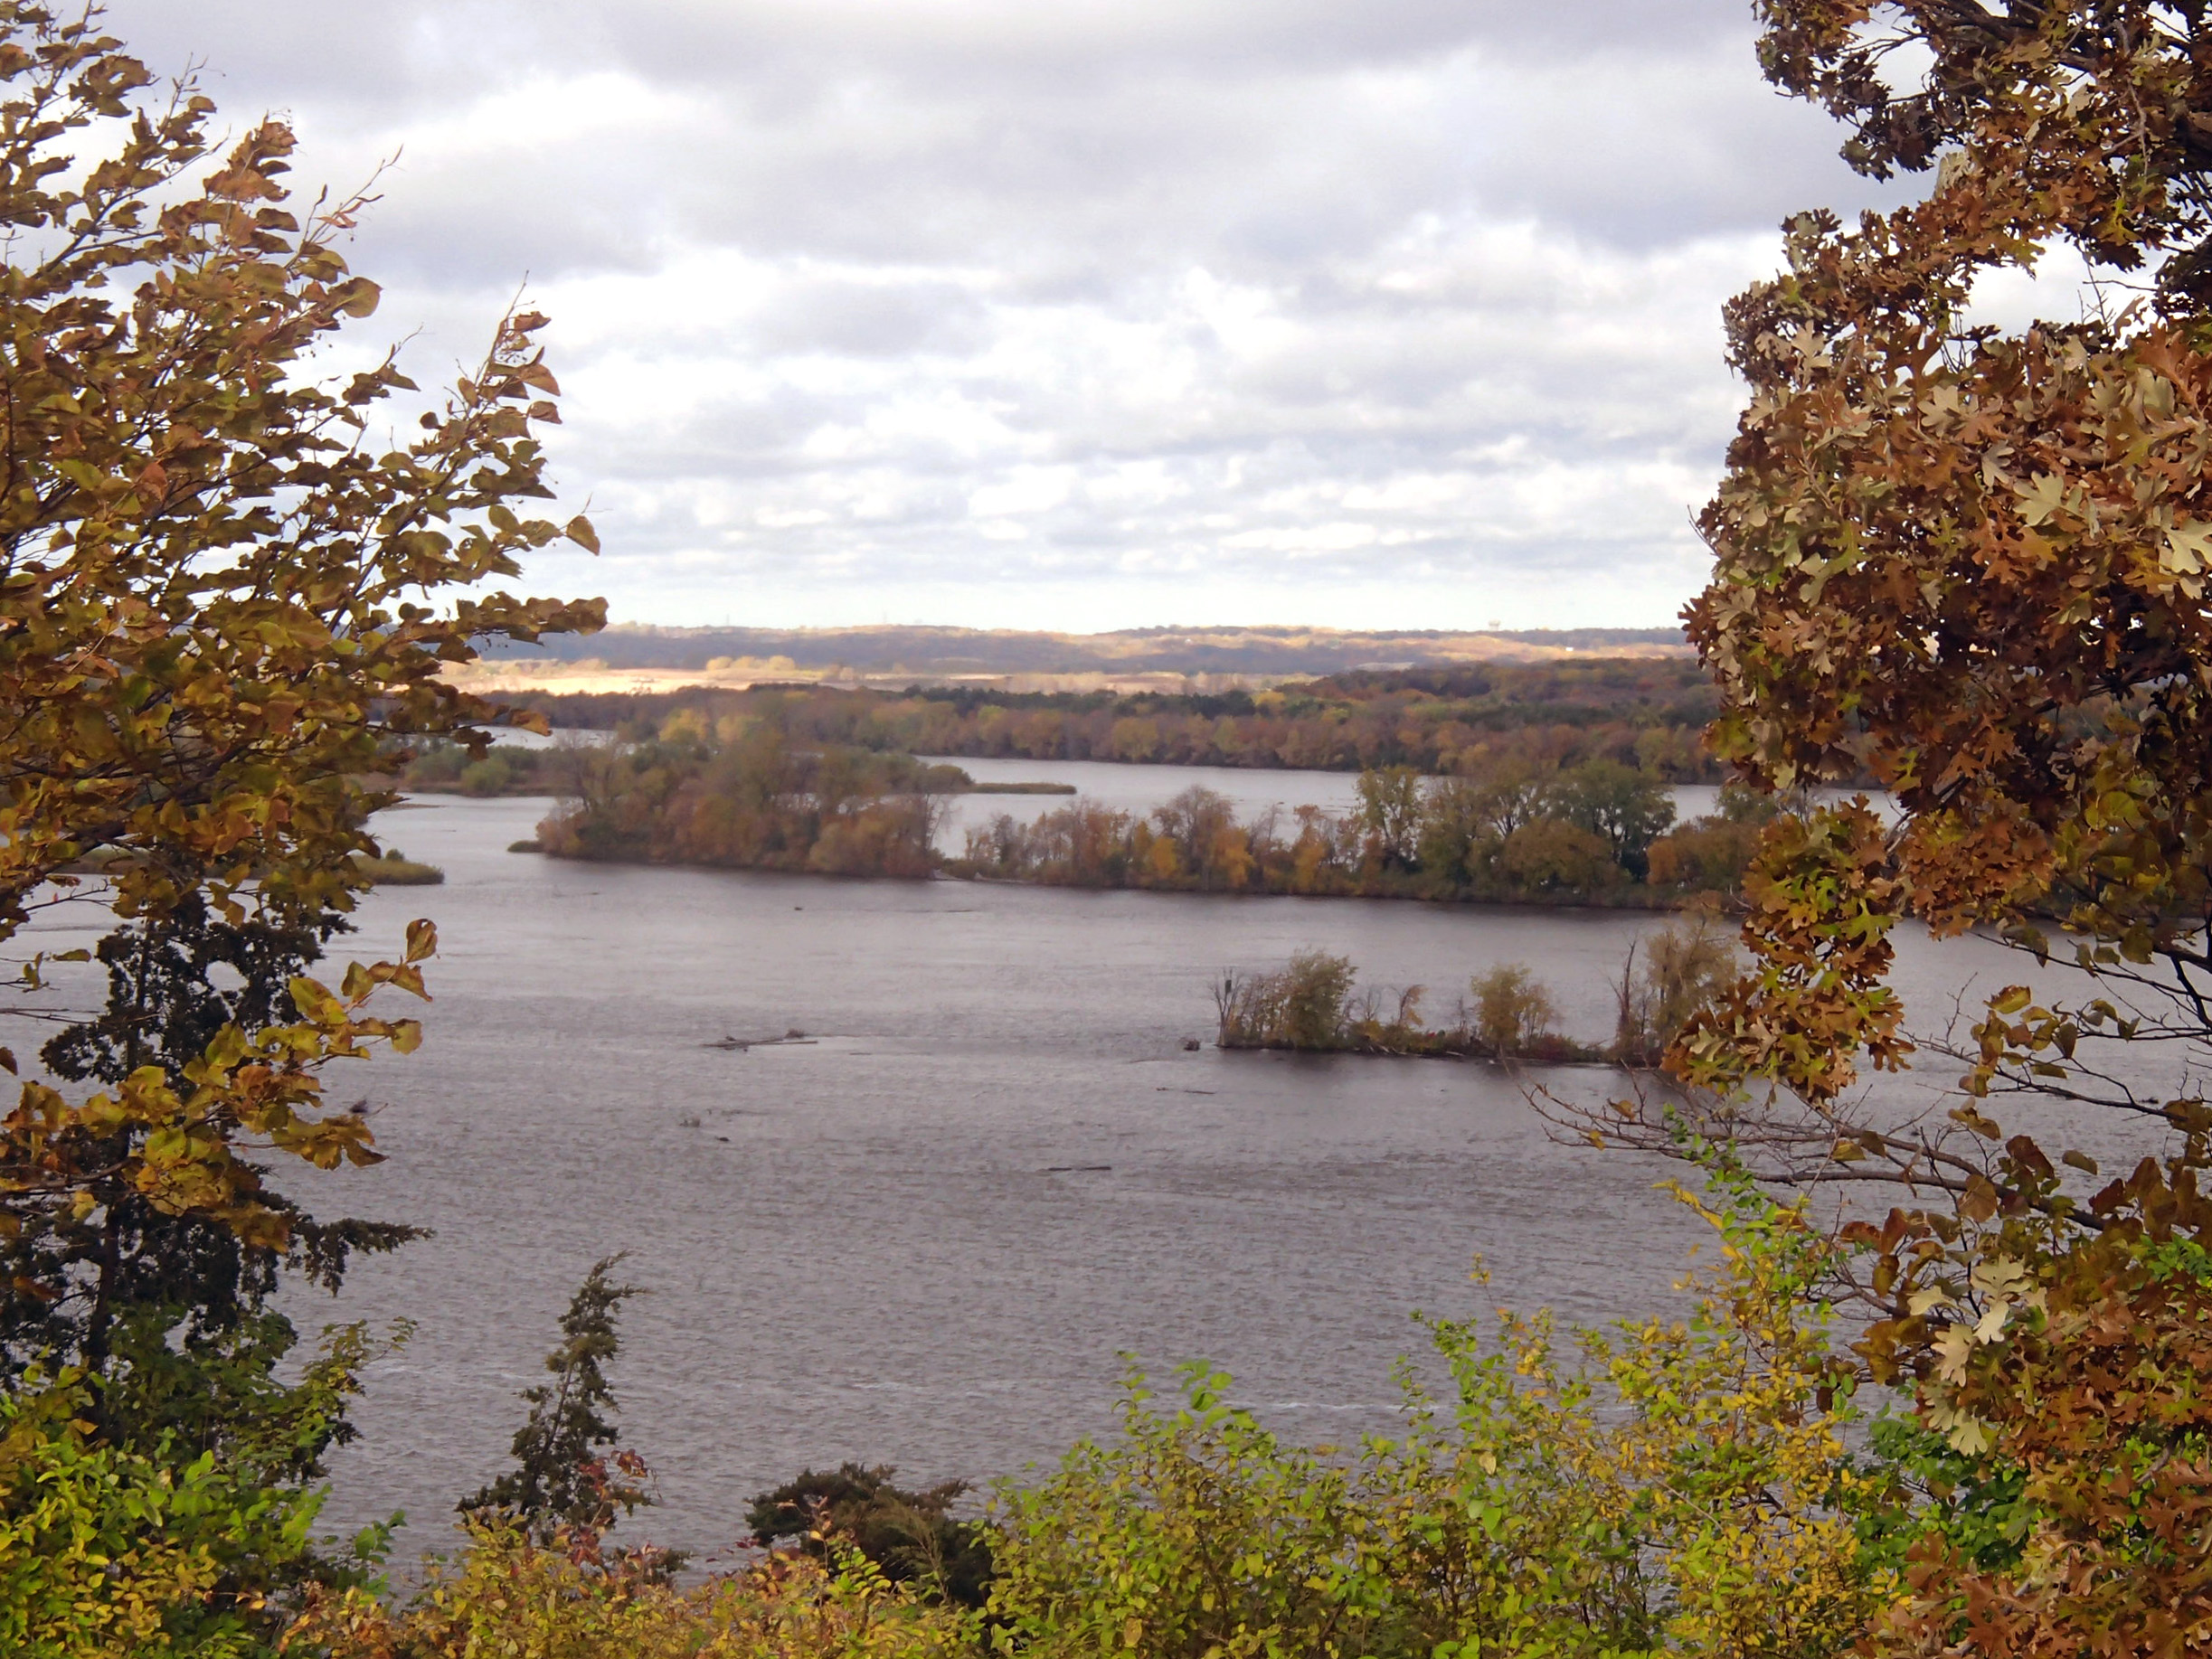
(211, 583)
(221, 604)
(1972, 564)
(1968, 564)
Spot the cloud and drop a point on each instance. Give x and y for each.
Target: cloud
(1098, 314)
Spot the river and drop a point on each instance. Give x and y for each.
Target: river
(926, 1236)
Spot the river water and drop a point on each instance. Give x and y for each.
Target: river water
(926, 1236)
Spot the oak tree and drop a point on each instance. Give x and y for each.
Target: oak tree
(1971, 564)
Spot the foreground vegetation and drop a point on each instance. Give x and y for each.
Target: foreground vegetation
(1968, 563)
(1562, 1497)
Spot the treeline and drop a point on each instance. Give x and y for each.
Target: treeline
(1457, 801)
(1648, 713)
(1599, 833)
(743, 795)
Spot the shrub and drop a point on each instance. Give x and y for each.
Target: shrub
(2062, 1419)
(162, 1550)
(1685, 1489)
(505, 1595)
(910, 1536)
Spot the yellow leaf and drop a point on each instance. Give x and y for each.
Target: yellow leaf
(2188, 549)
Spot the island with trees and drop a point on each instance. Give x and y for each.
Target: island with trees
(748, 797)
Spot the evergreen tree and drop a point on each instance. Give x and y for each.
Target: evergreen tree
(561, 1481)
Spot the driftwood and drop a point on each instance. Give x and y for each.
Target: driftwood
(794, 1038)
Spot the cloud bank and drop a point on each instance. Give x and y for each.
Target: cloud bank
(1101, 314)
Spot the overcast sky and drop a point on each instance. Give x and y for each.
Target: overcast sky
(1082, 315)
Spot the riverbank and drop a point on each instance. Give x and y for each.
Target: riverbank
(1634, 898)
(1640, 900)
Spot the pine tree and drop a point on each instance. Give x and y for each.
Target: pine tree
(561, 1482)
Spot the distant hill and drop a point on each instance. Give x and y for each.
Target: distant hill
(940, 653)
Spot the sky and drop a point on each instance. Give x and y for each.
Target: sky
(1091, 314)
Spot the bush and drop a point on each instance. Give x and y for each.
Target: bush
(505, 1595)
(105, 1551)
(1686, 1488)
(910, 1536)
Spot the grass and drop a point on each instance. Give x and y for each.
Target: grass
(395, 869)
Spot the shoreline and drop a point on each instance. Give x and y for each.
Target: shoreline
(1642, 900)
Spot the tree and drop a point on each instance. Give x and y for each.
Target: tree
(1457, 834)
(1552, 855)
(1390, 812)
(1624, 807)
(1685, 966)
(78, 1275)
(1972, 564)
(214, 625)
(561, 1480)
(1512, 1013)
(224, 612)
